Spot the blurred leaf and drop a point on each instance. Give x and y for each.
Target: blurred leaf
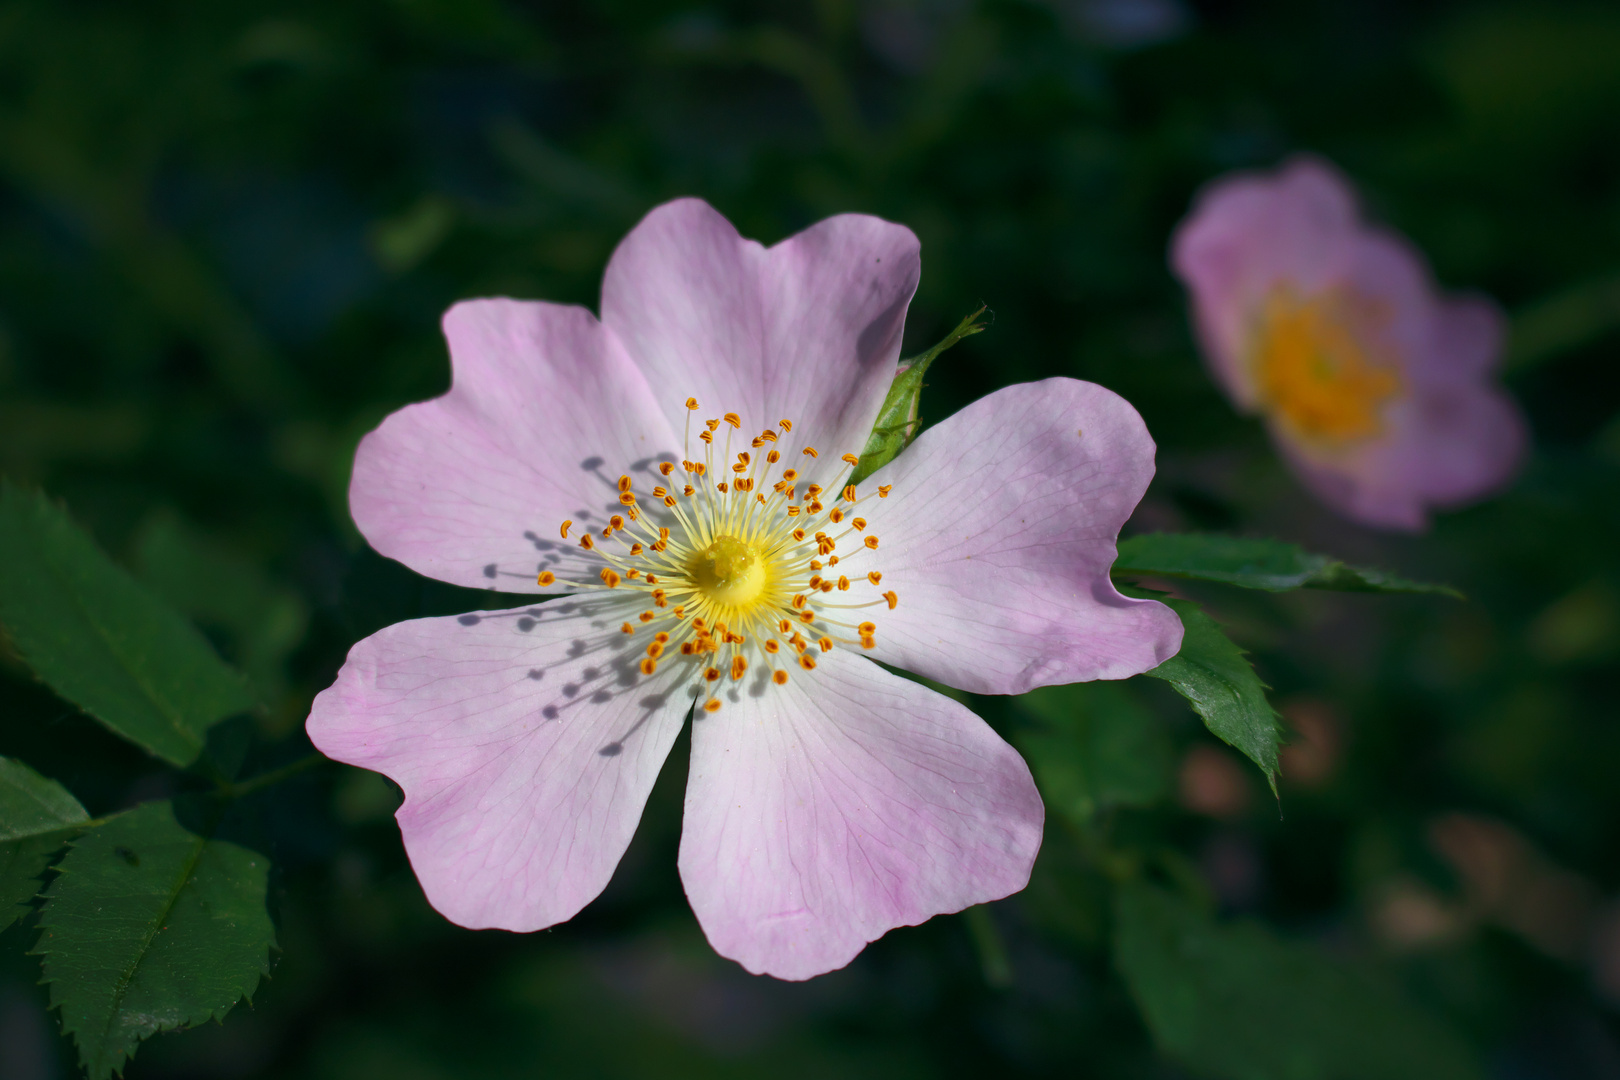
(149, 927)
(1094, 745)
(101, 640)
(897, 421)
(1572, 317)
(1255, 564)
(37, 816)
(221, 590)
(1214, 675)
(1233, 1001)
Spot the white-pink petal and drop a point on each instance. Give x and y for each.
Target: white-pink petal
(998, 537)
(544, 414)
(824, 813)
(807, 330)
(525, 743)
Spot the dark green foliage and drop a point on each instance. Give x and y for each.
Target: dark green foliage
(1235, 1002)
(1216, 678)
(37, 816)
(152, 925)
(102, 640)
(1094, 745)
(1255, 564)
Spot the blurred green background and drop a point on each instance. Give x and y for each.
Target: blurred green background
(227, 232)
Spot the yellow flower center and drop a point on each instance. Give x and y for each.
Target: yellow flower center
(728, 572)
(1316, 373)
(749, 572)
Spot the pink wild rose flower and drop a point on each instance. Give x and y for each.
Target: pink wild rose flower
(680, 468)
(1376, 388)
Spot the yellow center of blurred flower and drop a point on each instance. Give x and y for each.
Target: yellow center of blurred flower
(1316, 373)
(736, 562)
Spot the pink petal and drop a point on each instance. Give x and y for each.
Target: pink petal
(824, 813)
(1248, 232)
(544, 415)
(525, 743)
(998, 537)
(808, 330)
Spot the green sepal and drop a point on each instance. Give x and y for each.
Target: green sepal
(897, 421)
(102, 640)
(1272, 565)
(154, 922)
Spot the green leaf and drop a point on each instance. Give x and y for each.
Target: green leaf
(1217, 679)
(37, 817)
(1256, 564)
(151, 926)
(1094, 745)
(102, 640)
(1232, 1001)
(897, 421)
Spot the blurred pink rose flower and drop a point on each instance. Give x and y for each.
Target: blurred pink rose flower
(734, 577)
(1376, 388)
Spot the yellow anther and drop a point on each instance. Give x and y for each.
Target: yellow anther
(665, 468)
(624, 483)
(616, 521)
(785, 425)
(798, 534)
(826, 586)
(779, 677)
(784, 626)
(546, 578)
(713, 674)
(660, 492)
(815, 507)
(663, 533)
(652, 579)
(722, 487)
(679, 611)
(648, 666)
(884, 489)
(628, 628)
(851, 458)
(790, 475)
(661, 637)
(609, 578)
(565, 527)
(632, 573)
(836, 516)
(832, 560)
(773, 646)
(858, 523)
(733, 419)
(607, 531)
(757, 442)
(843, 583)
(798, 601)
(810, 451)
(793, 511)
(872, 542)
(807, 615)
(655, 650)
(669, 500)
(866, 628)
(706, 437)
(807, 661)
(658, 597)
(868, 641)
(691, 403)
(811, 491)
(739, 664)
(627, 498)
(687, 648)
(875, 577)
(773, 457)
(825, 642)
(586, 542)
(849, 493)
(712, 705)
(711, 424)
(893, 599)
(646, 616)
(768, 435)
